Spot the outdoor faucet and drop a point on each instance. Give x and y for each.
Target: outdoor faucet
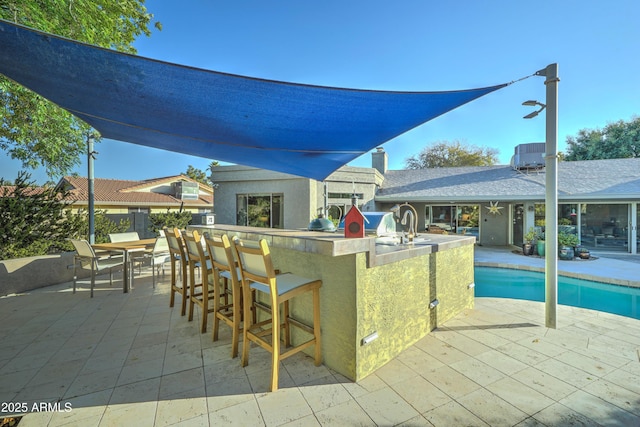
(411, 215)
(412, 232)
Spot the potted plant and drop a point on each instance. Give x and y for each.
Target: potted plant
(540, 244)
(582, 252)
(527, 246)
(566, 243)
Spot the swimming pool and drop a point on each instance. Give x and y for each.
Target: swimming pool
(529, 285)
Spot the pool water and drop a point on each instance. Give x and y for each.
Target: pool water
(529, 285)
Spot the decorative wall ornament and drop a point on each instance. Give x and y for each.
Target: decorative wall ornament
(494, 209)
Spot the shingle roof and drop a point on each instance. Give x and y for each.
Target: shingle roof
(602, 179)
(133, 193)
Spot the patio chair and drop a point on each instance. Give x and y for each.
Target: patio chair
(134, 259)
(88, 260)
(258, 274)
(202, 293)
(225, 271)
(158, 256)
(177, 255)
(129, 236)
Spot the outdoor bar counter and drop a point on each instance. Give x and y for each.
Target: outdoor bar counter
(370, 289)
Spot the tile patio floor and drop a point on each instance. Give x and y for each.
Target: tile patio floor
(127, 359)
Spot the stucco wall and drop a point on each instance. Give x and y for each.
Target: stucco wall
(25, 274)
(297, 193)
(368, 288)
(393, 301)
(494, 228)
(302, 197)
(337, 303)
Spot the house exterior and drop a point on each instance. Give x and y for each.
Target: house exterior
(261, 198)
(135, 200)
(499, 204)
(155, 195)
(598, 199)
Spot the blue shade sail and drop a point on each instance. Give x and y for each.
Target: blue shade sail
(299, 129)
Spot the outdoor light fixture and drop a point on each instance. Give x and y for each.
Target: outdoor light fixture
(532, 103)
(471, 285)
(434, 303)
(367, 340)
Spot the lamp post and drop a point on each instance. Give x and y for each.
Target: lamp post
(90, 158)
(551, 190)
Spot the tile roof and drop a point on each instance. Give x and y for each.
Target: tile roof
(601, 179)
(9, 190)
(134, 193)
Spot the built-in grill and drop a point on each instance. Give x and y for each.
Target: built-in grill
(321, 224)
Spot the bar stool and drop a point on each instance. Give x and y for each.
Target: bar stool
(204, 292)
(225, 270)
(177, 253)
(257, 272)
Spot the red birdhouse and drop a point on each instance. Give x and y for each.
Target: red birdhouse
(354, 223)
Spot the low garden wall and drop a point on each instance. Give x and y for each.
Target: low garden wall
(25, 274)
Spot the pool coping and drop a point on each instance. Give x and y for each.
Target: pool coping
(575, 275)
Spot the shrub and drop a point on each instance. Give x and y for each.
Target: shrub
(568, 239)
(33, 220)
(38, 220)
(170, 220)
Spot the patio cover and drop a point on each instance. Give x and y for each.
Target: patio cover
(299, 129)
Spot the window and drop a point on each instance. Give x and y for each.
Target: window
(462, 219)
(443, 217)
(348, 196)
(469, 220)
(260, 210)
(605, 226)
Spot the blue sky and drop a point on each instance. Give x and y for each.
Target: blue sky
(415, 45)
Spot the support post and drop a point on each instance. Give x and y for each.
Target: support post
(90, 190)
(551, 195)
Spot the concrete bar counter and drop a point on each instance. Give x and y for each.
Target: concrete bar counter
(376, 300)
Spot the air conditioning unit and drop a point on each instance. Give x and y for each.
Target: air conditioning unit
(186, 190)
(529, 156)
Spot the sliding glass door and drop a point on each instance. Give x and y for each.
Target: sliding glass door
(605, 227)
(260, 210)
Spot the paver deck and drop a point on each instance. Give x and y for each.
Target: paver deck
(127, 359)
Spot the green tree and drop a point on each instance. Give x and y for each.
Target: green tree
(198, 175)
(33, 220)
(449, 154)
(617, 140)
(38, 220)
(34, 130)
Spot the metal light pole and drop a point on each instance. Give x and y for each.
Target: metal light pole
(551, 196)
(90, 158)
(551, 190)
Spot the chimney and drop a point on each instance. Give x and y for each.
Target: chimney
(380, 160)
